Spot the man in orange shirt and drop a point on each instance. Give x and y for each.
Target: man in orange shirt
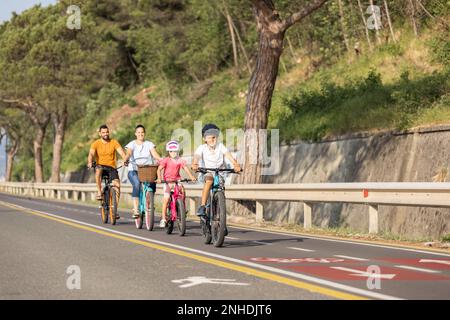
(104, 151)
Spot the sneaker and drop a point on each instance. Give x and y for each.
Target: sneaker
(135, 214)
(117, 217)
(201, 211)
(162, 223)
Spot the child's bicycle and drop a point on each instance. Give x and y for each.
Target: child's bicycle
(147, 176)
(214, 224)
(108, 208)
(176, 208)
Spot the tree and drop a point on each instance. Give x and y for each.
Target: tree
(12, 122)
(49, 73)
(271, 28)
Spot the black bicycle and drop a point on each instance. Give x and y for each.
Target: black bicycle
(108, 208)
(214, 223)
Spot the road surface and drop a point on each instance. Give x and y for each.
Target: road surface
(58, 250)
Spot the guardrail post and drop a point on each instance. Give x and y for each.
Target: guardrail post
(75, 195)
(192, 206)
(259, 212)
(307, 213)
(373, 218)
(58, 194)
(83, 196)
(66, 195)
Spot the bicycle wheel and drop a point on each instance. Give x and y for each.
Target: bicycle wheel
(140, 220)
(169, 223)
(104, 207)
(112, 206)
(181, 217)
(219, 219)
(149, 210)
(206, 227)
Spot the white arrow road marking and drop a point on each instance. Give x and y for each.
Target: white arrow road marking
(418, 269)
(351, 258)
(447, 262)
(365, 274)
(300, 249)
(193, 281)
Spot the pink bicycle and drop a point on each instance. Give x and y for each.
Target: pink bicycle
(176, 210)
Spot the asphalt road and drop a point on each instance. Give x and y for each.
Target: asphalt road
(59, 250)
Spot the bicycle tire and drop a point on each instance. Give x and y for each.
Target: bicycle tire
(112, 206)
(104, 208)
(181, 217)
(205, 225)
(219, 219)
(169, 225)
(139, 222)
(149, 210)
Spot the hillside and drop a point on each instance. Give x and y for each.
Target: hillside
(397, 86)
(168, 63)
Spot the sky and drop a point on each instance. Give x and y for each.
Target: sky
(8, 6)
(6, 9)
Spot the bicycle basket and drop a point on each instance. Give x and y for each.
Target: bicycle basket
(147, 173)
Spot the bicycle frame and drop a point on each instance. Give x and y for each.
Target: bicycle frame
(175, 194)
(145, 187)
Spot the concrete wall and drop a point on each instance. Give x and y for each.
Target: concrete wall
(416, 156)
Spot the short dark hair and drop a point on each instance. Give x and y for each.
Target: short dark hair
(139, 126)
(103, 126)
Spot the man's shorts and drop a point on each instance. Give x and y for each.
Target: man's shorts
(113, 174)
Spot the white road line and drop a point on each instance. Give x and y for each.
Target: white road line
(296, 275)
(232, 238)
(299, 235)
(418, 269)
(304, 236)
(301, 249)
(351, 258)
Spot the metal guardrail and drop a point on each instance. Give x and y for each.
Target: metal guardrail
(417, 194)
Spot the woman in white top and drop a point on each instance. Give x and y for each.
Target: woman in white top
(139, 152)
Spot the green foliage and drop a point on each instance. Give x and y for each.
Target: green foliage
(440, 45)
(360, 105)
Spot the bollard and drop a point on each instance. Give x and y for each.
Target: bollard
(307, 213)
(373, 218)
(259, 212)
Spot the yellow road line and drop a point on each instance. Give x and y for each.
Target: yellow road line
(227, 265)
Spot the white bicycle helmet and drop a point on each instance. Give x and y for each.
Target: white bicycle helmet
(172, 146)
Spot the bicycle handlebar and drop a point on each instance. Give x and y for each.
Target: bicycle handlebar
(95, 165)
(176, 181)
(205, 170)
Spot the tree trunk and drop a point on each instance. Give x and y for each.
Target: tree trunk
(233, 38)
(413, 17)
(59, 124)
(344, 27)
(259, 100)
(271, 31)
(241, 44)
(37, 148)
(365, 25)
(391, 28)
(11, 153)
(377, 26)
